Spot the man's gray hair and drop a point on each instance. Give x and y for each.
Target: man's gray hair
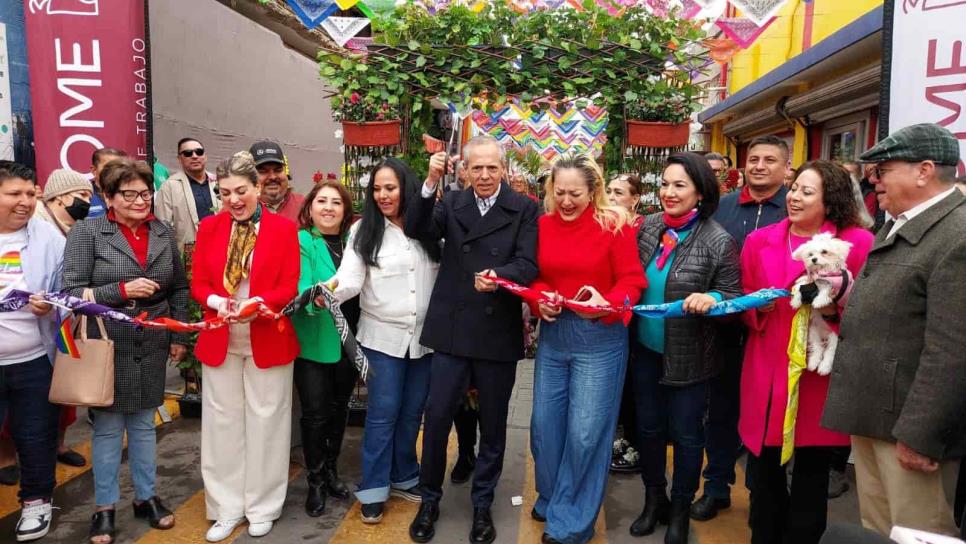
(714, 157)
(483, 139)
(946, 173)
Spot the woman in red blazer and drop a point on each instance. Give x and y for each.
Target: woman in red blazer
(245, 255)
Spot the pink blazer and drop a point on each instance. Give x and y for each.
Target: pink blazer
(766, 262)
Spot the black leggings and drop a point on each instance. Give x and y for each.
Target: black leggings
(780, 517)
(324, 391)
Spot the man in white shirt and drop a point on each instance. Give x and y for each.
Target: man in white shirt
(899, 381)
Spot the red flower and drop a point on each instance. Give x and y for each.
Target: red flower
(331, 175)
(317, 176)
(354, 98)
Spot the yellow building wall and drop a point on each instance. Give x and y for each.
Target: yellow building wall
(780, 42)
(783, 39)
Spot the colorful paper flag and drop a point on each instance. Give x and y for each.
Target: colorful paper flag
(690, 9)
(721, 50)
(742, 30)
(312, 12)
(758, 11)
(343, 29)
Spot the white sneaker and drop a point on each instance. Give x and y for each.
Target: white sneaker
(260, 529)
(222, 529)
(34, 520)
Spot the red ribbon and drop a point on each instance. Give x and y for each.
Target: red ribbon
(249, 310)
(536, 297)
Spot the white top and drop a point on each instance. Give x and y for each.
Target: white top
(482, 204)
(907, 215)
(19, 332)
(393, 296)
(239, 334)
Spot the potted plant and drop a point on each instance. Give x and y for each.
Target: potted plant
(662, 117)
(190, 401)
(366, 120)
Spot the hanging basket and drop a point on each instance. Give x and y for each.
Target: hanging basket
(657, 134)
(373, 133)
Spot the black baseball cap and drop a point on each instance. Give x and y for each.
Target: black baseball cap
(267, 151)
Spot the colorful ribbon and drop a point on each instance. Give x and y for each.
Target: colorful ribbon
(797, 362)
(725, 307)
(536, 297)
(349, 344)
(654, 311)
(16, 299)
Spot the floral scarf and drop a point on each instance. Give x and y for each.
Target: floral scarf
(240, 248)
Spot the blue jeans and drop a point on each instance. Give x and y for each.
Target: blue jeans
(24, 388)
(397, 393)
(668, 412)
(577, 387)
(107, 446)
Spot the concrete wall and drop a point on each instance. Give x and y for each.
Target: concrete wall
(227, 81)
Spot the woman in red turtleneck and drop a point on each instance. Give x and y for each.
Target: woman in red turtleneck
(586, 251)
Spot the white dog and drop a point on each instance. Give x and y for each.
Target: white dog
(826, 281)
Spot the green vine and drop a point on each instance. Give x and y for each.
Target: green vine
(544, 59)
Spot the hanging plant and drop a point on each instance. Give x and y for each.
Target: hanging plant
(549, 58)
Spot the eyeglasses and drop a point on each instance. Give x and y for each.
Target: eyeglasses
(198, 152)
(878, 172)
(131, 196)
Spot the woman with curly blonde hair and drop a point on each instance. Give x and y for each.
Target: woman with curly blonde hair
(243, 256)
(586, 253)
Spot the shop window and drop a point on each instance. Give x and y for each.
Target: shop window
(844, 140)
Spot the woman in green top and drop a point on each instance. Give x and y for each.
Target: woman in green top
(324, 378)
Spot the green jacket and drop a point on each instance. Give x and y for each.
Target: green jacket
(314, 327)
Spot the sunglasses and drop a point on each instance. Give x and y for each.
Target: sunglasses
(199, 152)
(131, 196)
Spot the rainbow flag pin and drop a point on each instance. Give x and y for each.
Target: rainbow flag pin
(65, 338)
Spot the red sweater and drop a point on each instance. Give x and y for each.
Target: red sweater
(572, 254)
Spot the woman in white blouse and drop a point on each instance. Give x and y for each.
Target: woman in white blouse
(393, 276)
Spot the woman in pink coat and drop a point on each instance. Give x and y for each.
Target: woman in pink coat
(819, 200)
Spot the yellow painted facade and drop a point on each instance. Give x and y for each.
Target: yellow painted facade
(782, 41)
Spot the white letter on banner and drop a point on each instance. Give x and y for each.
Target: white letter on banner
(77, 63)
(65, 148)
(84, 102)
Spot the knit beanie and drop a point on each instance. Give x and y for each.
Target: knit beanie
(61, 182)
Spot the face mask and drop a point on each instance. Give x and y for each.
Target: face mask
(78, 209)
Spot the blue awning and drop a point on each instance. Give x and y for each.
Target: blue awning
(856, 31)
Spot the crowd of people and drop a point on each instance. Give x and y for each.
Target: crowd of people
(417, 277)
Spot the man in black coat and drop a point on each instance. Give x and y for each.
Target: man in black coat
(475, 330)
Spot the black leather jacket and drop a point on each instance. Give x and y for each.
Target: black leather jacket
(707, 260)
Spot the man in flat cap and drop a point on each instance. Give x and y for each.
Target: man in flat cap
(899, 379)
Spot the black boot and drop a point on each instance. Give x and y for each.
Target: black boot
(330, 469)
(315, 500)
(680, 523)
(657, 509)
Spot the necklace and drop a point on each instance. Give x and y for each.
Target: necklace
(337, 253)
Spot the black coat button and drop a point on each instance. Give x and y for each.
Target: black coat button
(488, 310)
(466, 248)
(494, 251)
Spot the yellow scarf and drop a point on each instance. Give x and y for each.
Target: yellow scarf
(797, 362)
(240, 248)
